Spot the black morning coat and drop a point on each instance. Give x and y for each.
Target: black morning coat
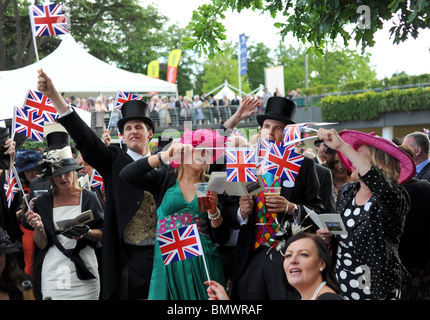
(122, 200)
(304, 192)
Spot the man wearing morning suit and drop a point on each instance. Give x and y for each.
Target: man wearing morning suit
(257, 273)
(130, 214)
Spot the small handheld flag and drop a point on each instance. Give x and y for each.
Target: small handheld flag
(28, 123)
(97, 181)
(240, 165)
(293, 132)
(122, 97)
(10, 186)
(42, 104)
(48, 20)
(180, 244)
(282, 162)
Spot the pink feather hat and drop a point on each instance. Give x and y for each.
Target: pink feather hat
(357, 138)
(206, 138)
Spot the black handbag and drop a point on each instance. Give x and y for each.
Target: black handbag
(76, 231)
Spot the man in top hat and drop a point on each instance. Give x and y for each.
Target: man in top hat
(258, 271)
(130, 214)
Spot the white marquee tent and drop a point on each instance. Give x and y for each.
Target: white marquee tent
(225, 90)
(74, 70)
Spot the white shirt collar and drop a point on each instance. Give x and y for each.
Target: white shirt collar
(136, 156)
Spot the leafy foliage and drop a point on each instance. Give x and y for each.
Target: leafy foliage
(314, 22)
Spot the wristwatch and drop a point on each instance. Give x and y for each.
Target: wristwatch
(159, 157)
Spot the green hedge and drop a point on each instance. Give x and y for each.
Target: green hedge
(371, 105)
(399, 80)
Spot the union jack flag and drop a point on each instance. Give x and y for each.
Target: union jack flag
(28, 123)
(48, 20)
(180, 244)
(10, 186)
(122, 97)
(42, 104)
(262, 147)
(240, 165)
(282, 162)
(293, 132)
(236, 133)
(121, 138)
(97, 181)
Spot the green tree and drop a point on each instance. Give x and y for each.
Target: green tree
(315, 21)
(224, 66)
(336, 67)
(258, 59)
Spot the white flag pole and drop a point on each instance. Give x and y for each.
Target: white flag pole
(32, 32)
(20, 185)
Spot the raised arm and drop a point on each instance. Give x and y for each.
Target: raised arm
(335, 142)
(245, 110)
(46, 86)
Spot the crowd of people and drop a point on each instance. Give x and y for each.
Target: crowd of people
(168, 111)
(254, 247)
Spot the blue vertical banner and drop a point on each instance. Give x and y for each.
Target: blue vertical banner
(243, 55)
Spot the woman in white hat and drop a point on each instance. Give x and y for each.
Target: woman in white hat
(65, 264)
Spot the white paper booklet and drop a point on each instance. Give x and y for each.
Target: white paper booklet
(330, 221)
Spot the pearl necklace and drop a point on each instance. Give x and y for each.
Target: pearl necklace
(317, 291)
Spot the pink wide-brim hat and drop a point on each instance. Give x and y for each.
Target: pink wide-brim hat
(357, 138)
(206, 138)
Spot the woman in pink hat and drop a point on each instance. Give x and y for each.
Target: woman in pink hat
(177, 206)
(373, 209)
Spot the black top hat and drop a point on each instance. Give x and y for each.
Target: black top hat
(6, 246)
(135, 110)
(58, 140)
(280, 109)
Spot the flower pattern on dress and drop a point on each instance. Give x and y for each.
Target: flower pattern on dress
(181, 219)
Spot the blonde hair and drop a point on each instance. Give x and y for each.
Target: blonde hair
(389, 165)
(180, 172)
(75, 184)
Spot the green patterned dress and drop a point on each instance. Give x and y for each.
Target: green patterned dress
(183, 280)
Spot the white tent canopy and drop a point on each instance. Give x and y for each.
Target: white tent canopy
(225, 91)
(74, 70)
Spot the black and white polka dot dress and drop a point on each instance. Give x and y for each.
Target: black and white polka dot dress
(368, 265)
(353, 277)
